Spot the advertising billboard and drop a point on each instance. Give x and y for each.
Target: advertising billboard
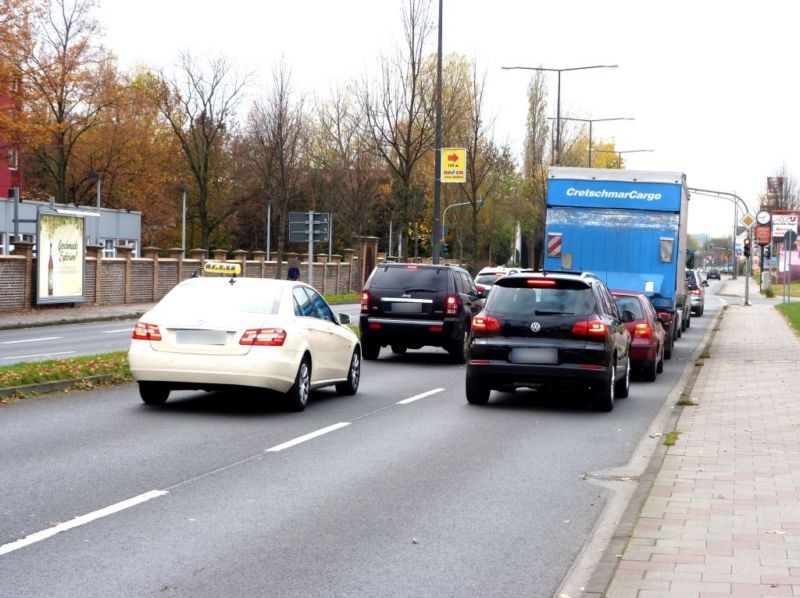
(60, 258)
(781, 223)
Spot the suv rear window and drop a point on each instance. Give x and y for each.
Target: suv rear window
(566, 299)
(402, 277)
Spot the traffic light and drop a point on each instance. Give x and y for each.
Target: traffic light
(746, 247)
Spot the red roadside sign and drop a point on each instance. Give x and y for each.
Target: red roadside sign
(763, 234)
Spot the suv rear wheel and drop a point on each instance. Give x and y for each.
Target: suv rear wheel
(623, 387)
(477, 392)
(604, 394)
(459, 348)
(369, 349)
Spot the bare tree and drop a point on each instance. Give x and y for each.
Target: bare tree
(399, 111)
(199, 103)
(531, 214)
(342, 151)
(276, 130)
(787, 196)
(481, 158)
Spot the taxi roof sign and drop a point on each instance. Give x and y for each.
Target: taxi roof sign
(231, 268)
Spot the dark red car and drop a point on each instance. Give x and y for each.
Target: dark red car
(646, 330)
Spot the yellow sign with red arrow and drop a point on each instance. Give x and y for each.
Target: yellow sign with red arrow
(454, 165)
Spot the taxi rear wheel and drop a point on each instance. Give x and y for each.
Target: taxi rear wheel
(297, 397)
(350, 386)
(153, 393)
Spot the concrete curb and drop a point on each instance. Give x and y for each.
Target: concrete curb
(41, 388)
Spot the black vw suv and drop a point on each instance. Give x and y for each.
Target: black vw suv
(408, 306)
(550, 329)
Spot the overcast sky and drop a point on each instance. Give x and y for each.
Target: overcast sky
(712, 85)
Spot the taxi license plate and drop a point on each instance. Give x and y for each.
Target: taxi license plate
(542, 355)
(200, 337)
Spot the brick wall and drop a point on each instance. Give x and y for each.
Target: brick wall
(143, 280)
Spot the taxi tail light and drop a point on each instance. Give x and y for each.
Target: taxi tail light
(146, 332)
(485, 325)
(480, 287)
(263, 337)
(642, 331)
(364, 302)
(451, 305)
(591, 328)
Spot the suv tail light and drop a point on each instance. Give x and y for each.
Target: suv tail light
(591, 328)
(263, 337)
(485, 325)
(451, 305)
(364, 302)
(642, 331)
(146, 332)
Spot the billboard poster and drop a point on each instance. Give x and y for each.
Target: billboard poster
(60, 258)
(781, 223)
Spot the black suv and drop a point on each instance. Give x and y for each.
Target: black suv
(550, 329)
(408, 306)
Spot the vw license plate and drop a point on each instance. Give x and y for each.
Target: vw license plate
(538, 355)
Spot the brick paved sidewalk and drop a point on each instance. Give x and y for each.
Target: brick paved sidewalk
(723, 515)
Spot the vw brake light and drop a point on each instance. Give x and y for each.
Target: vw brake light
(591, 328)
(485, 325)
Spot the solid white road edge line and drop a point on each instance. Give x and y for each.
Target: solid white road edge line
(419, 396)
(300, 439)
(31, 340)
(116, 331)
(38, 355)
(82, 520)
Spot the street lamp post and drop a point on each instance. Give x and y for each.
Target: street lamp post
(590, 121)
(558, 94)
(437, 184)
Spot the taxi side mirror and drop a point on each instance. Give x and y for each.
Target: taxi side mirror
(344, 319)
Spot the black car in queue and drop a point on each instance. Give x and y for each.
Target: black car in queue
(550, 330)
(409, 306)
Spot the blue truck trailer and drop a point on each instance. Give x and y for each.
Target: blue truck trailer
(627, 227)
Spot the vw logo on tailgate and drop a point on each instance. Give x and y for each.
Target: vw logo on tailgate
(535, 327)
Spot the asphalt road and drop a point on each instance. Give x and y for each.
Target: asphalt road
(401, 490)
